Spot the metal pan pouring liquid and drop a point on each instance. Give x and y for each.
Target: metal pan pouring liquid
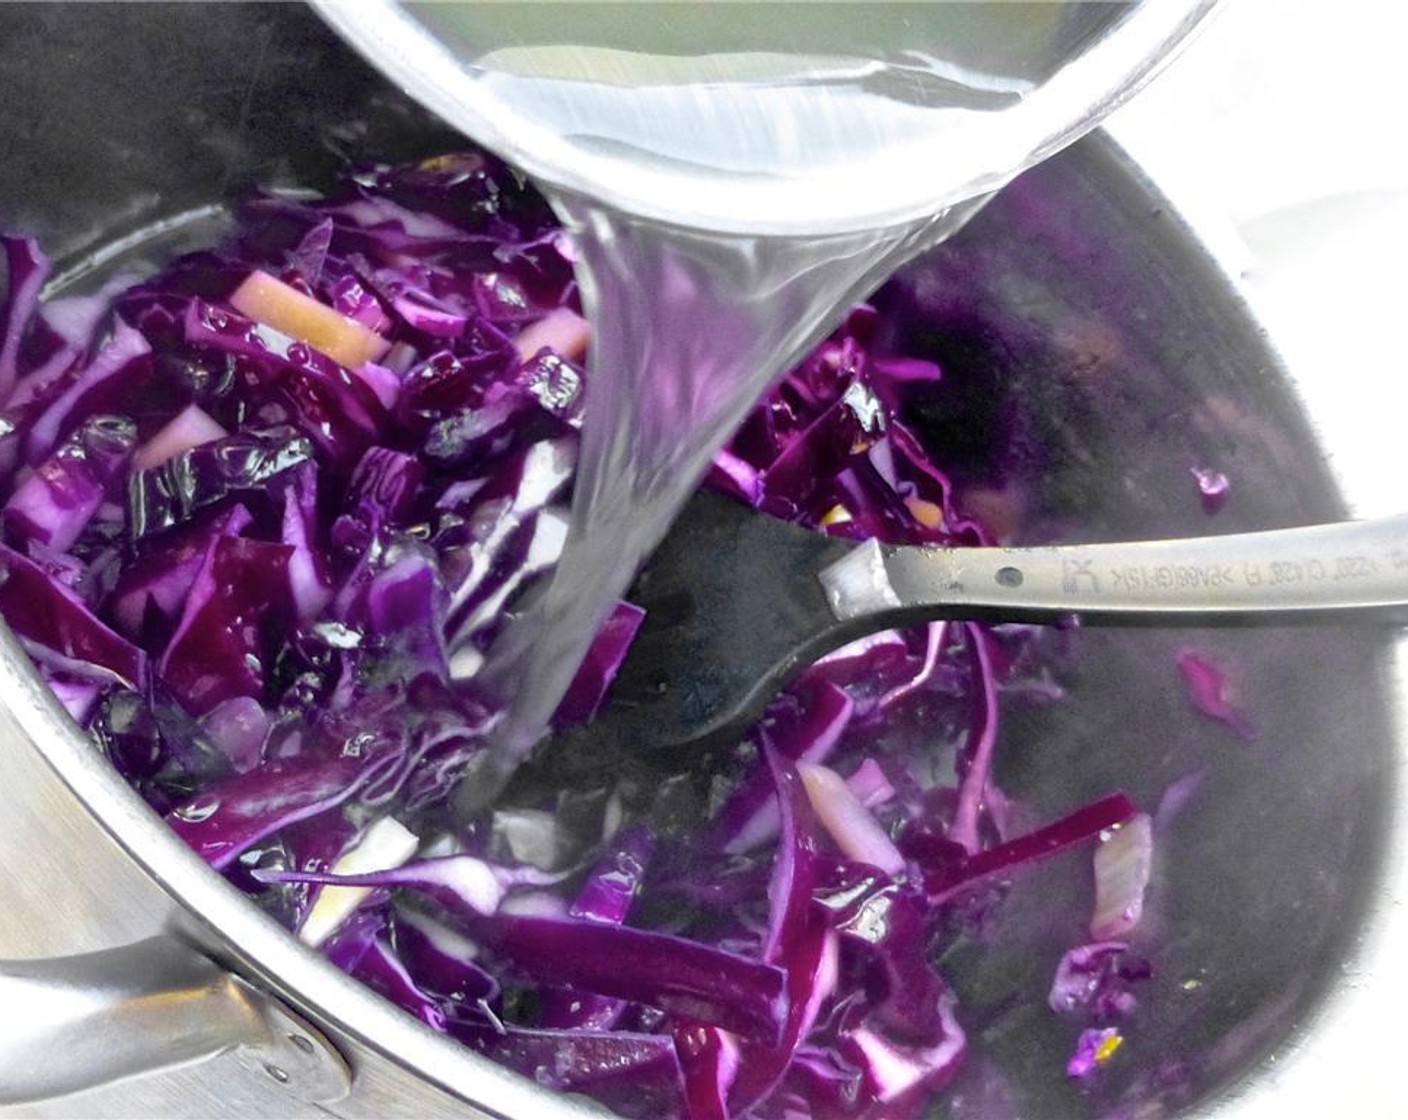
(1093, 356)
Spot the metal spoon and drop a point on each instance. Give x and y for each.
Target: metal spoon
(738, 602)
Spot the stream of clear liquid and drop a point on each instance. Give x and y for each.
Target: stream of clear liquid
(689, 330)
(707, 123)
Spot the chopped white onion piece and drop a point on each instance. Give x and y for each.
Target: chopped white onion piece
(534, 904)
(268, 300)
(451, 942)
(1122, 865)
(386, 844)
(563, 331)
(847, 821)
(189, 428)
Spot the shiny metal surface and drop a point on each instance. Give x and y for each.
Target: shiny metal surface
(757, 599)
(73, 1023)
(1272, 898)
(1340, 566)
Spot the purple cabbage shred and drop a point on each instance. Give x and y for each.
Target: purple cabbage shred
(1213, 488)
(266, 583)
(1212, 693)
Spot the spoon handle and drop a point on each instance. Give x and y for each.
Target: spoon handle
(1339, 566)
(734, 606)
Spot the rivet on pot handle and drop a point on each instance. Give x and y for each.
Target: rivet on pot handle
(73, 1023)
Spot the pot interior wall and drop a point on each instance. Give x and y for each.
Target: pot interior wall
(1112, 365)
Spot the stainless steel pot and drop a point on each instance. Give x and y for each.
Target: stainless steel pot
(1082, 317)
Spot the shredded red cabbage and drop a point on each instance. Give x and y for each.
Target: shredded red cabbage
(263, 514)
(1212, 692)
(1213, 488)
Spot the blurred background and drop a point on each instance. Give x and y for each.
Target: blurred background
(1280, 134)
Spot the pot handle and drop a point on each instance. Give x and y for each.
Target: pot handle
(74, 1023)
